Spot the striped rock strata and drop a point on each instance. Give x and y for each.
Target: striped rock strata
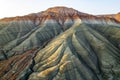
(59, 44)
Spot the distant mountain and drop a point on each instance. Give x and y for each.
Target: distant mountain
(60, 43)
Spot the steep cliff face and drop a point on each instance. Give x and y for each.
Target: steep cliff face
(59, 44)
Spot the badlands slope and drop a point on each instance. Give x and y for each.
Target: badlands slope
(59, 43)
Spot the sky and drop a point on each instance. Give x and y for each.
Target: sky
(10, 8)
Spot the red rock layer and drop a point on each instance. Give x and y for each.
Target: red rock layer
(58, 13)
(10, 69)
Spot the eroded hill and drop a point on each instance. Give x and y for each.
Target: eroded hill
(59, 44)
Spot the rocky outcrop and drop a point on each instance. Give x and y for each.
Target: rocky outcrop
(112, 16)
(59, 44)
(117, 16)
